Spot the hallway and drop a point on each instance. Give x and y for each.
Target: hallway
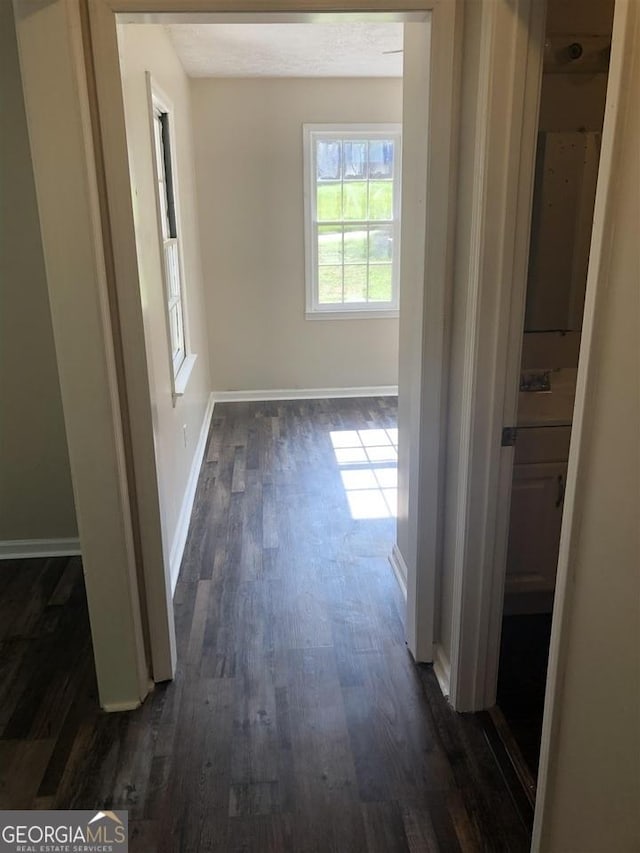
(297, 721)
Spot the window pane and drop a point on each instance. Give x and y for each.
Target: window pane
(164, 221)
(380, 244)
(329, 202)
(329, 244)
(168, 174)
(355, 200)
(172, 267)
(355, 160)
(175, 326)
(328, 159)
(380, 283)
(381, 200)
(380, 158)
(355, 283)
(329, 284)
(355, 244)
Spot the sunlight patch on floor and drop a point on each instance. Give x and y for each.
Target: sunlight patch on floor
(368, 459)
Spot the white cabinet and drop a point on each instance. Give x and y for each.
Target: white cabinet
(534, 535)
(537, 499)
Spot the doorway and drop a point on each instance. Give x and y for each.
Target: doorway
(419, 467)
(570, 120)
(239, 135)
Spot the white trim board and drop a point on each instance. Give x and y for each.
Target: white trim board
(23, 549)
(442, 670)
(399, 569)
(305, 393)
(500, 193)
(184, 519)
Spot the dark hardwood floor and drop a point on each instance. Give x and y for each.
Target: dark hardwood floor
(522, 679)
(297, 720)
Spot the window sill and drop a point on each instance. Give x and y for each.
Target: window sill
(383, 314)
(182, 378)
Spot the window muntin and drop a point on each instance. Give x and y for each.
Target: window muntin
(352, 218)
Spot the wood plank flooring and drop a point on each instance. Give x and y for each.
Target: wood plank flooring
(297, 720)
(522, 679)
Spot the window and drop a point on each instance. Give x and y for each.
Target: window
(352, 219)
(168, 219)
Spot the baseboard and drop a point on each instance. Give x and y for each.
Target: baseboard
(525, 777)
(399, 569)
(517, 777)
(304, 393)
(442, 670)
(182, 528)
(23, 549)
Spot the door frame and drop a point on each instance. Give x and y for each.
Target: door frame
(421, 464)
(511, 56)
(492, 356)
(89, 100)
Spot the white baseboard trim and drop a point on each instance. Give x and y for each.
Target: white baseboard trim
(182, 528)
(442, 670)
(304, 393)
(399, 569)
(22, 549)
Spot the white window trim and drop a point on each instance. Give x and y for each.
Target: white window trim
(358, 310)
(179, 373)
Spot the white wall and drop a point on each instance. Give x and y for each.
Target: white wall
(248, 136)
(589, 798)
(148, 48)
(36, 500)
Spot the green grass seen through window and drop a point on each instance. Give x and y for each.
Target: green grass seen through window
(330, 283)
(355, 201)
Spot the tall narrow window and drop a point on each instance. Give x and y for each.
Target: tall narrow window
(170, 242)
(181, 360)
(352, 218)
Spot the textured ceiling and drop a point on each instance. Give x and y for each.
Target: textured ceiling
(289, 50)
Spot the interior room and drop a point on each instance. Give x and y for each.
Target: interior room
(241, 95)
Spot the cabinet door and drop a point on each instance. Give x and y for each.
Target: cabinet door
(534, 532)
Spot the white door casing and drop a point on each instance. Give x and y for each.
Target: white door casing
(424, 317)
(67, 189)
(511, 39)
(428, 216)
